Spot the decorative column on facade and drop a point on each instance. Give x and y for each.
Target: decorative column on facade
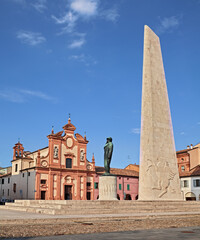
(78, 188)
(59, 186)
(50, 186)
(50, 151)
(84, 187)
(38, 159)
(37, 186)
(93, 162)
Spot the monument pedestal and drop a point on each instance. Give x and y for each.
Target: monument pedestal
(108, 188)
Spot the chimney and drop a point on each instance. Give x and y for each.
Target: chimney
(191, 146)
(188, 147)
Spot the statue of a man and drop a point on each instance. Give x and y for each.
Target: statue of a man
(108, 149)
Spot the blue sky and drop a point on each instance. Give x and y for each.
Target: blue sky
(84, 57)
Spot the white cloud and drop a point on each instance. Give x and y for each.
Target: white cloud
(135, 130)
(69, 19)
(11, 96)
(87, 60)
(22, 95)
(182, 133)
(40, 5)
(35, 94)
(168, 24)
(82, 10)
(31, 38)
(86, 8)
(77, 43)
(110, 14)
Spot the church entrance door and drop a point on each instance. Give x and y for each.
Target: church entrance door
(68, 192)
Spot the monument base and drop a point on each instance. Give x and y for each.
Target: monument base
(108, 187)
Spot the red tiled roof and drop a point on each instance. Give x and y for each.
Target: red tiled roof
(118, 171)
(193, 172)
(186, 150)
(5, 175)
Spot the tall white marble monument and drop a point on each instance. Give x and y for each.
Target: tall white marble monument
(158, 177)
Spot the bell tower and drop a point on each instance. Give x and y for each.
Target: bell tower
(18, 151)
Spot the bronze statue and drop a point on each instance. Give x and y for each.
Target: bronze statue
(108, 149)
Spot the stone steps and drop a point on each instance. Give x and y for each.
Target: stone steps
(101, 207)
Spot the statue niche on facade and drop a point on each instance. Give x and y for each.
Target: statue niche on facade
(108, 149)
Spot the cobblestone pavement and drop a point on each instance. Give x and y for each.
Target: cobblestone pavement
(15, 224)
(192, 233)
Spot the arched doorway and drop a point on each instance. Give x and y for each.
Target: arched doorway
(128, 197)
(190, 196)
(118, 197)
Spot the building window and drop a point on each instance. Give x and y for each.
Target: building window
(23, 175)
(29, 174)
(185, 183)
(120, 186)
(2, 181)
(88, 184)
(196, 183)
(14, 187)
(68, 163)
(96, 185)
(119, 177)
(182, 168)
(8, 192)
(182, 159)
(8, 180)
(16, 167)
(128, 187)
(43, 181)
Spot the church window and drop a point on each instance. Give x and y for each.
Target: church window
(43, 181)
(120, 186)
(182, 168)
(182, 159)
(96, 185)
(68, 163)
(20, 153)
(8, 180)
(16, 167)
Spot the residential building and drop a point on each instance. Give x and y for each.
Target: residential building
(189, 171)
